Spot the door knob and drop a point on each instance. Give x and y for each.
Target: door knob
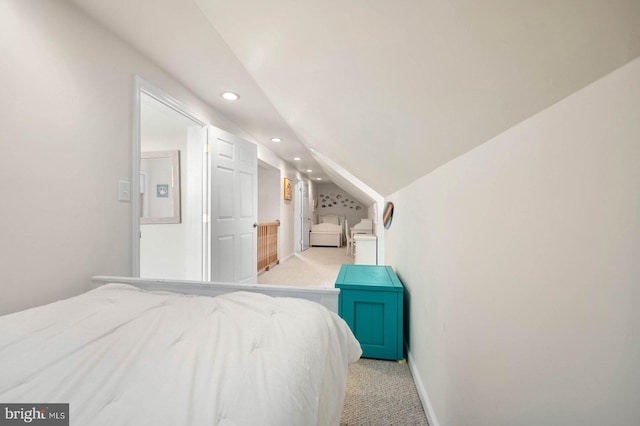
(255, 225)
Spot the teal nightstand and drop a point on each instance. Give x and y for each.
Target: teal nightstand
(370, 302)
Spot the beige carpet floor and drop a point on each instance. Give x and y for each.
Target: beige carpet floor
(381, 393)
(315, 267)
(378, 392)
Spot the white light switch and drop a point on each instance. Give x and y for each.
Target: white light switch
(124, 190)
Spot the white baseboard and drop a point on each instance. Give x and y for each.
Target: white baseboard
(422, 392)
(288, 257)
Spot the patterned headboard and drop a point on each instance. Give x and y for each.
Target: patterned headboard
(332, 218)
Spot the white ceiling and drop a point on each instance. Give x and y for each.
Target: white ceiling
(389, 90)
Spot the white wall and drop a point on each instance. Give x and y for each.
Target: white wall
(372, 213)
(268, 194)
(353, 210)
(522, 261)
(285, 231)
(65, 140)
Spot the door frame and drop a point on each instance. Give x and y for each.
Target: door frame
(298, 214)
(141, 86)
(305, 215)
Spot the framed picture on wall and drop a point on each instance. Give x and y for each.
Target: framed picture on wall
(288, 189)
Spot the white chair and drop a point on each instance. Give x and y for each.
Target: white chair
(365, 226)
(350, 242)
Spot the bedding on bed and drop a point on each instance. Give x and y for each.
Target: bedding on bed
(120, 355)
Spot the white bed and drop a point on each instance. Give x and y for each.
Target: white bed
(122, 355)
(329, 232)
(326, 234)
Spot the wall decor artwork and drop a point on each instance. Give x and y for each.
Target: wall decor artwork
(337, 200)
(388, 215)
(333, 200)
(160, 187)
(288, 189)
(162, 190)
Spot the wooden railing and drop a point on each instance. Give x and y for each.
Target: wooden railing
(267, 245)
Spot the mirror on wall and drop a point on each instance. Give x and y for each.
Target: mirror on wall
(160, 187)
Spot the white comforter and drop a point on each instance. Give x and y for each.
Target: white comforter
(122, 356)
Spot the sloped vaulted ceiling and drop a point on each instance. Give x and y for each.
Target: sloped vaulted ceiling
(391, 90)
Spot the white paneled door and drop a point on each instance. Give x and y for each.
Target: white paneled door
(234, 207)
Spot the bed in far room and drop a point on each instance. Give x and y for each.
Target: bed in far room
(120, 354)
(330, 232)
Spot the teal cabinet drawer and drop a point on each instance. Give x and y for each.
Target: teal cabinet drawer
(373, 318)
(370, 302)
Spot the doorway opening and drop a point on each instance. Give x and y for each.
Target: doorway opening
(194, 212)
(169, 201)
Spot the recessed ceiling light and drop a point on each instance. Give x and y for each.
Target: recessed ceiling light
(230, 96)
(318, 178)
(296, 158)
(276, 140)
(309, 171)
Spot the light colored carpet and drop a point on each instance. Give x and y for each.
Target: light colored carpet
(378, 392)
(315, 267)
(381, 393)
